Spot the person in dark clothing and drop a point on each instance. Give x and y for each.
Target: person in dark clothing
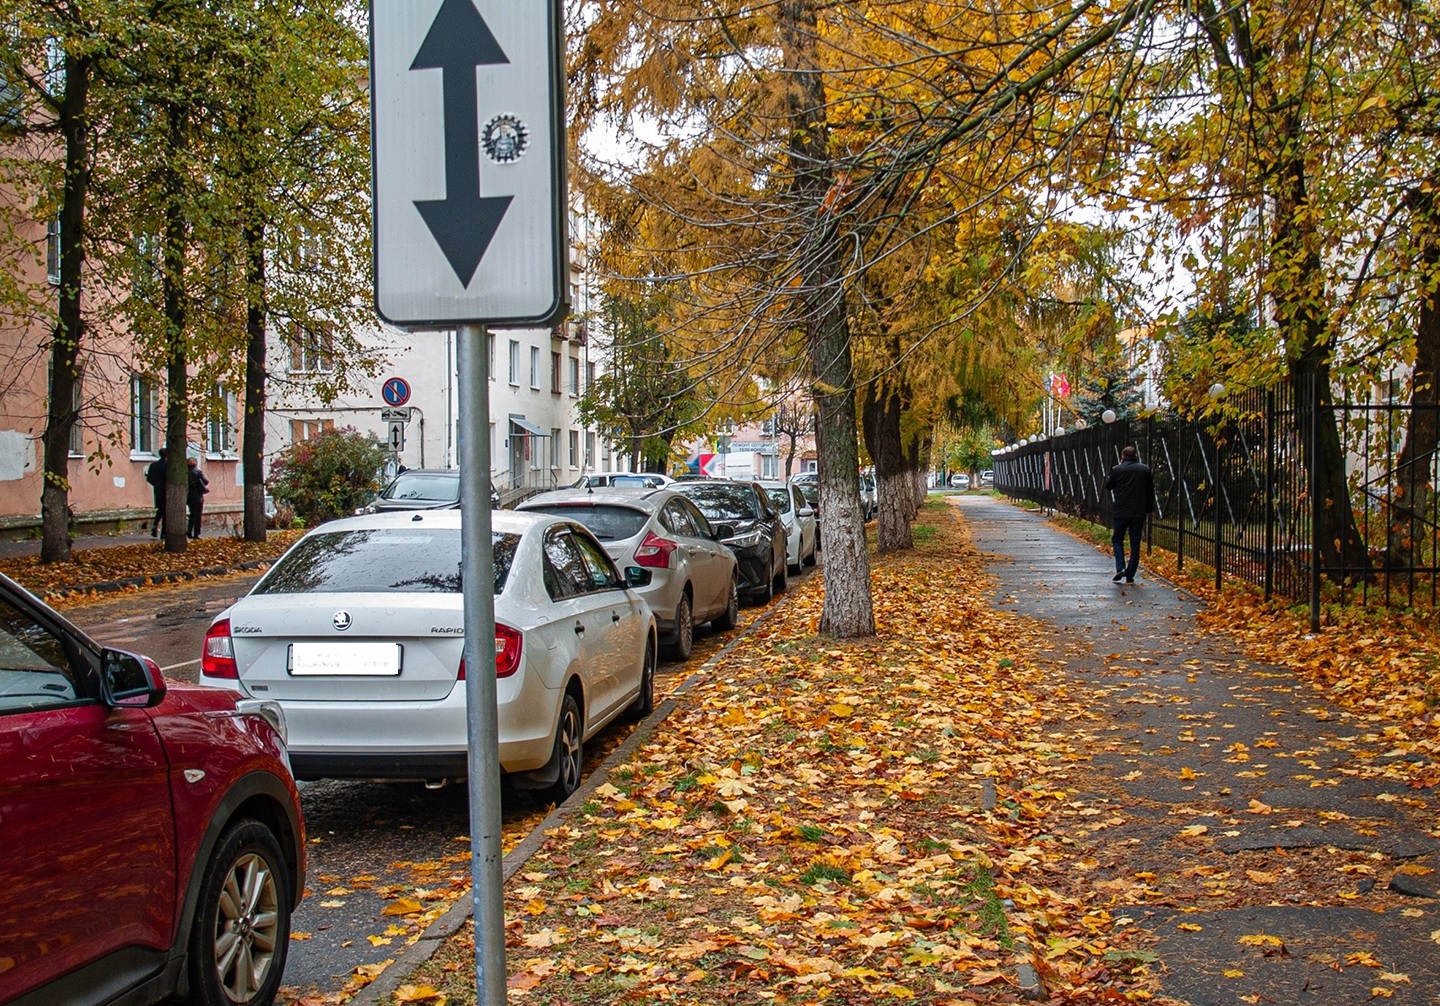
(155, 475)
(1132, 488)
(197, 485)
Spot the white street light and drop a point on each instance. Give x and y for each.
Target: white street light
(1080, 424)
(1217, 389)
(1108, 415)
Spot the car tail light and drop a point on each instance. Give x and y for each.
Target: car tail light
(655, 551)
(507, 651)
(217, 658)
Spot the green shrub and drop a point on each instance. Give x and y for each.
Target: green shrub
(328, 476)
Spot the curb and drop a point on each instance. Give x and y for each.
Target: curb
(382, 989)
(154, 579)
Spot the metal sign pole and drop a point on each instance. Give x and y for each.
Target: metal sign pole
(477, 575)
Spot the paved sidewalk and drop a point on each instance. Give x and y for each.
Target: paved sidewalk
(1269, 841)
(31, 546)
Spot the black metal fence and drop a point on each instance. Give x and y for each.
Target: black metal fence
(1235, 494)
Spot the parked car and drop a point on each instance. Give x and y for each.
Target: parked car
(987, 477)
(622, 480)
(869, 498)
(959, 480)
(152, 832)
(810, 489)
(758, 538)
(694, 579)
(424, 489)
(798, 516)
(357, 631)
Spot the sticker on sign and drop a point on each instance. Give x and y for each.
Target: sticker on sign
(468, 155)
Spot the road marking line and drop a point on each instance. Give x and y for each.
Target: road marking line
(173, 667)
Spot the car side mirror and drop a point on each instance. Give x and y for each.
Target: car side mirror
(722, 531)
(807, 512)
(130, 680)
(638, 576)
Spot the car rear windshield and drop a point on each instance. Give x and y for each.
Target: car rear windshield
(381, 561)
(723, 502)
(781, 499)
(608, 523)
(436, 488)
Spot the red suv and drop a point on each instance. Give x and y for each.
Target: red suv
(150, 836)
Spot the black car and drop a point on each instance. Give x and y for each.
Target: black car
(424, 489)
(757, 536)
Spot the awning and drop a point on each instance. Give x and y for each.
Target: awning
(531, 430)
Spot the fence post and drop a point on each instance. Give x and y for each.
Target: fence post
(1178, 480)
(1269, 491)
(1314, 466)
(1219, 523)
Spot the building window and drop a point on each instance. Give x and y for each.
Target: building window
(555, 447)
(574, 448)
(312, 348)
(515, 363)
(492, 357)
(77, 428)
(144, 414)
(555, 375)
(54, 66)
(309, 429)
(535, 368)
(769, 466)
(574, 376)
(52, 251)
(220, 423)
(589, 377)
(589, 450)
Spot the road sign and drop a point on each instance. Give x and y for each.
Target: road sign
(468, 151)
(397, 437)
(395, 391)
(394, 415)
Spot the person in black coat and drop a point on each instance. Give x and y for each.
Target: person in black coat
(155, 475)
(197, 485)
(1132, 488)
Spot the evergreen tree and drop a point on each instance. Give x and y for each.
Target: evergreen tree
(1116, 385)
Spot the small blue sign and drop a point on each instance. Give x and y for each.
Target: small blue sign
(395, 391)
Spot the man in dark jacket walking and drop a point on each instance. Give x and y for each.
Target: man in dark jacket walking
(1132, 488)
(155, 475)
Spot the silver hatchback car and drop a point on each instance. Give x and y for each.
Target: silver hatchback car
(694, 579)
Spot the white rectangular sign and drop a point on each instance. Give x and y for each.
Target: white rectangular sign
(468, 160)
(346, 659)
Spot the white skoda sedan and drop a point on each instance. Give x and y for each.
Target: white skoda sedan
(357, 632)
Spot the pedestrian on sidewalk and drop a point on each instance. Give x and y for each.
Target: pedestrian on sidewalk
(197, 485)
(1132, 489)
(155, 475)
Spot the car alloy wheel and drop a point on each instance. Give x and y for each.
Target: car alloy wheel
(644, 703)
(242, 926)
(569, 749)
(684, 640)
(731, 616)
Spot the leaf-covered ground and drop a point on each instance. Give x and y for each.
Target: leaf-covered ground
(111, 563)
(817, 821)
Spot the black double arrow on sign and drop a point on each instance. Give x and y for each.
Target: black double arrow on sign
(464, 222)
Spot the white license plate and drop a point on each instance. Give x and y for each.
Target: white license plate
(348, 659)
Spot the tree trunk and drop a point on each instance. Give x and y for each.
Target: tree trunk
(1412, 493)
(849, 609)
(177, 377)
(881, 420)
(919, 448)
(253, 445)
(790, 455)
(65, 379)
